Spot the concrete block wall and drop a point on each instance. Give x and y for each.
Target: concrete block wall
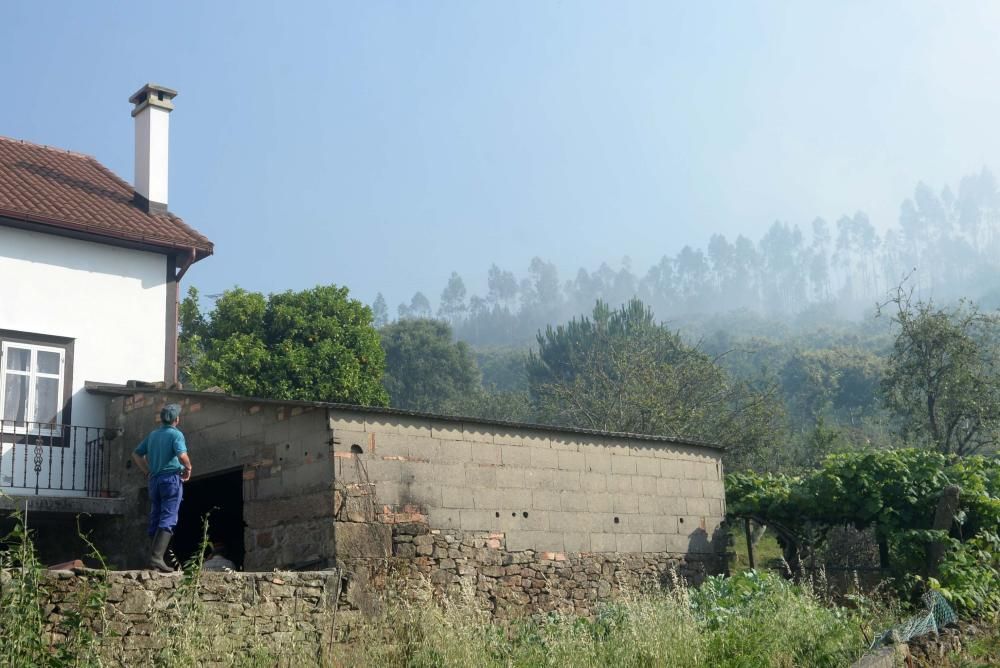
(281, 451)
(545, 490)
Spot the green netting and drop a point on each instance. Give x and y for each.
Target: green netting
(938, 614)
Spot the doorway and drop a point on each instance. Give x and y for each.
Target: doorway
(220, 496)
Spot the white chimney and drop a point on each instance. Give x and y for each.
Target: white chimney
(152, 132)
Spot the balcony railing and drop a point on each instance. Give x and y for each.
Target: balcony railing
(46, 459)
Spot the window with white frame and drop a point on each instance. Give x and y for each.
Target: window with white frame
(32, 382)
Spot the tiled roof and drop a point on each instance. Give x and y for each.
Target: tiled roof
(73, 192)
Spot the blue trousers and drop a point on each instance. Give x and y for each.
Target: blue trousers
(165, 493)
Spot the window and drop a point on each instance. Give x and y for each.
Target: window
(35, 379)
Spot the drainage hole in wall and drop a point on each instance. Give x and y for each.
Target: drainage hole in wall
(288, 446)
(617, 520)
(498, 514)
(682, 520)
(513, 514)
(305, 454)
(525, 514)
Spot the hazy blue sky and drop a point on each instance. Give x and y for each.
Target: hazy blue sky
(383, 145)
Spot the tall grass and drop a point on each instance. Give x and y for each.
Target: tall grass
(750, 619)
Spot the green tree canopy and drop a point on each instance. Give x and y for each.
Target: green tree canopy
(426, 370)
(942, 378)
(622, 371)
(313, 345)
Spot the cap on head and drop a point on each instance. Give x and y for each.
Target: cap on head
(169, 413)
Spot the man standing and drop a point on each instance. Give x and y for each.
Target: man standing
(162, 456)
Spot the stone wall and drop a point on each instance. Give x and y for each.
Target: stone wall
(146, 614)
(515, 583)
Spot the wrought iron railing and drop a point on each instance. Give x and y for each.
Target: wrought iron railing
(39, 458)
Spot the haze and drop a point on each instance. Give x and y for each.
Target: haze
(384, 145)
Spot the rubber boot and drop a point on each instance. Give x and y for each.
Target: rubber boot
(160, 542)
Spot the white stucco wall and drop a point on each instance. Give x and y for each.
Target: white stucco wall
(110, 301)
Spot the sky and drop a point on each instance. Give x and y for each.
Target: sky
(383, 145)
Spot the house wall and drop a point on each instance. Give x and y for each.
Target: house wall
(111, 301)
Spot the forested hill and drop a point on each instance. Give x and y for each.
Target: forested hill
(947, 242)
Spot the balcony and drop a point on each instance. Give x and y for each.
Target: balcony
(54, 460)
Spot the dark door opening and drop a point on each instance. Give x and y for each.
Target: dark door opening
(220, 496)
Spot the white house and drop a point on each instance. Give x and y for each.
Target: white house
(89, 272)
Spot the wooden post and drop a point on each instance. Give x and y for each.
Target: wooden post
(746, 527)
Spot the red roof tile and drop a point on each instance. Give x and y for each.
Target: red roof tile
(73, 192)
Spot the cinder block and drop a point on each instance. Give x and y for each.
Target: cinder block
(672, 468)
(544, 459)
(628, 542)
(530, 540)
(647, 466)
(566, 480)
(668, 524)
(716, 507)
(445, 473)
(691, 488)
(539, 478)
(379, 469)
(390, 444)
(454, 451)
(576, 543)
(622, 465)
(576, 501)
(570, 522)
(423, 447)
(486, 453)
(713, 489)
(648, 505)
(698, 507)
(427, 495)
(598, 462)
(545, 499)
(515, 455)
(510, 477)
(668, 487)
(677, 543)
(600, 503)
(644, 485)
(513, 518)
(485, 499)
(549, 541)
(593, 482)
(481, 475)
(625, 503)
(477, 520)
(389, 493)
(572, 461)
(456, 497)
(654, 543)
(603, 542)
(672, 505)
(444, 518)
(619, 483)
(604, 523)
(642, 523)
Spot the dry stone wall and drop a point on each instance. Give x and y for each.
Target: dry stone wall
(146, 615)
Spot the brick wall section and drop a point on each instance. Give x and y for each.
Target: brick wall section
(289, 613)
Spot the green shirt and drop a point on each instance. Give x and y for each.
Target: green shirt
(161, 449)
